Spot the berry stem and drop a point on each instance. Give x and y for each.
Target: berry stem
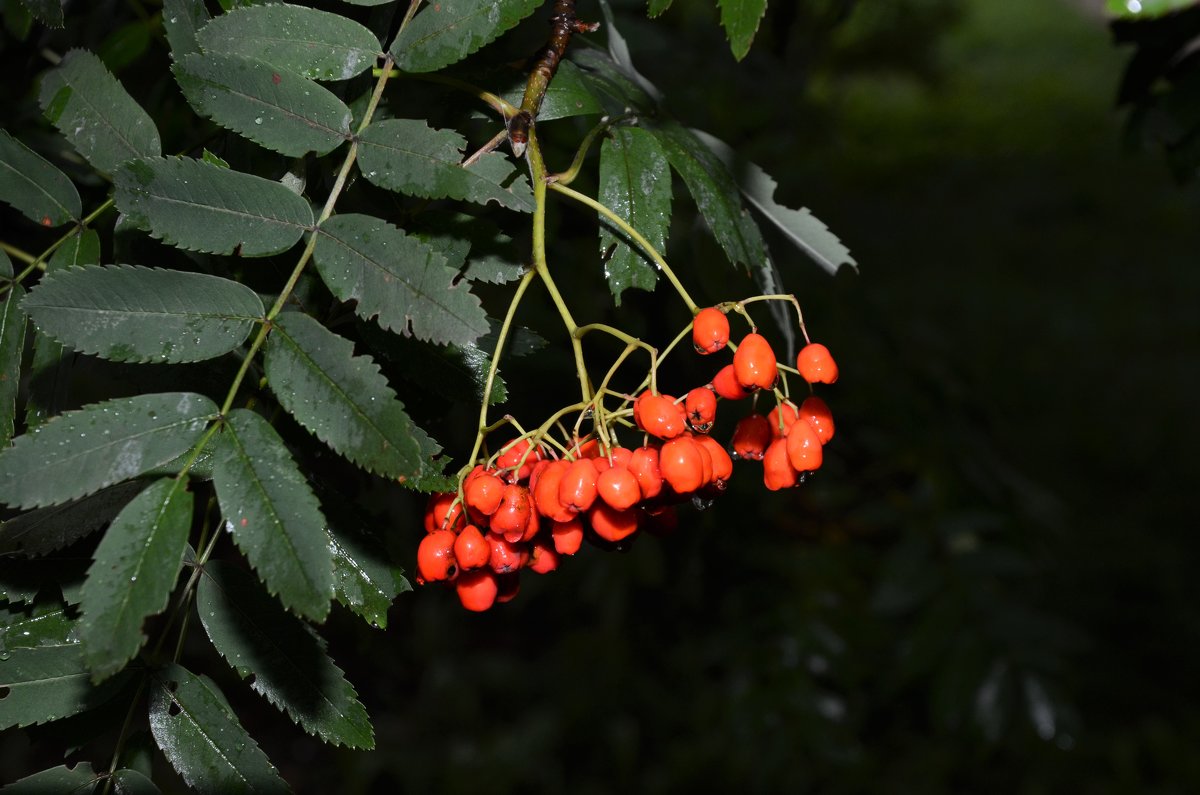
(790, 299)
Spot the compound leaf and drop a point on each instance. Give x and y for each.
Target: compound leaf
(314, 44)
(129, 313)
(272, 515)
(286, 659)
(343, 399)
(35, 186)
(741, 18)
(131, 782)
(86, 103)
(635, 182)
(202, 207)
(83, 451)
(408, 156)
(273, 107)
(133, 571)
(447, 31)
(203, 740)
(397, 279)
(40, 624)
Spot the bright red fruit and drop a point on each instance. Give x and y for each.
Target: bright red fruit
(725, 384)
(682, 465)
(751, 437)
(435, 556)
(700, 405)
(778, 472)
(477, 590)
(577, 489)
(443, 513)
(722, 464)
(483, 493)
(659, 415)
(754, 363)
(644, 466)
(543, 558)
(513, 514)
(567, 536)
(710, 330)
(781, 418)
(611, 524)
(505, 555)
(619, 488)
(817, 414)
(545, 492)
(804, 447)
(471, 549)
(816, 365)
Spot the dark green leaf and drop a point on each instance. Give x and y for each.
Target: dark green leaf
(47, 529)
(99, 445)
(286, 659)
(741, 18)
(635, 183)
(619, 50)
(273, 516)
(23, 579)
(570, 94)
(35, 186)
(612, 87)
(715, 193)
(128, 313)
(397, 279)
(447, 31)
(408, 156)
(343, 399)
(61, 780)
(42, 624)
(48, 11)
(1145, 9)
(48, 682)
(203, 740)
(366, 2)
(131, 782)
(87, 104)
(182, 19)
(458, 236)
(80, 249)
(656, 7)
(135, 568)
(201, 207)
(801, 227)
(125, 45)
(6, 269)
(272, 107)
(313, 44)
(452, 371)
(12, 345)
(365, 579)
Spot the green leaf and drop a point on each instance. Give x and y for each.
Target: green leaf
(182, 19)
(23, 579)
(343, 399)
(272, 107)
(272, 515)
(134, 570)
(447, 31)
(570, 94)
(310, 43)
(286, 659)
(36, 187)
(87, 104)
(741, 18)
(49, 682)
(203, 740)
(365, 579)
(715, 193)
(105, 443)
(801, 227)
(451, 371)
(396, 279)
(47, 529)
(613, 88)
(80, 249)
(42, 624)
(131, 782)
(61, 780)
(128, 313)
(12, 346)
(635, 182)
(457, 236)
(201, 207)
(618, 49)
(656, 7)
(125, 45)
(408, 156)
(49, 12)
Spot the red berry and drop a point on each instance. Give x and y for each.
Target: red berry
(435, 556)
(722, 464)
(700, 405)
(725, 384)
(644, 466)
(444, 513)
(682, 465)
(781, 418)
(545, 492)
(710, 330)
(804, 447)
(619, 488)
(543, 558)
(754, 363)
(513, 513)
(751, 437)
(483, 493)
(505, 555)
(659, 415)
(477, 590)
(817, 414)
(611, 524)
(778, 472)
(577, 489)
(816, 365)
(567, 536)
(620, 459)
(471, 549)
(513, 455)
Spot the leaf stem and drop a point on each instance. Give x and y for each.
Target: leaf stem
(36, 262)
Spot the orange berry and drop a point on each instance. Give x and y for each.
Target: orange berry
(567, 536)
(725, 384)
(543, 557)
(443, 513)
(817, 414)
(751, 437)
(513, 513)
(611, 524)
(778, 472)
(545, 492)
(510, 457)
(577, 489)
(682, 465)
(477, 590)
(471, 549)
(722, 464)
(659, 415)
(804, 447)
(816, 365)
(781, 418)
(700, 406)
(620, 459)
(710, 330)
(619, 488)
(435, 556)
(483, 492)
(643, 463)
(754, 363)
(505, 555)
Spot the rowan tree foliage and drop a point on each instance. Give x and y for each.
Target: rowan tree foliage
(303, 245)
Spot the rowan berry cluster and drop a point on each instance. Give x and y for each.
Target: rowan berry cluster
(537, 499)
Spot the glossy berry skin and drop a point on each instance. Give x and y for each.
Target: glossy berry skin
(477, 590)
(567, 536)
(781, 418)
(545, 492)
(443, 513)
(513, 455)
(722, 464)
(611, 524)
(778, 472)
(725, 384)
(700, 405)
(471, 549)
(435, 556)
(804, 447)
(505, 555)
(816, 413)
(682, 464)
(751, 437)
(659, 415)
(619, 456)
(754, 363)
(513, 514)
(619, 488)
(543, 557)
(710, 330)
(483, 493)
(816, 365)
(577, 489)
(644, 466)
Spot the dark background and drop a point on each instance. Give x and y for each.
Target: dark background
(990, 585)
